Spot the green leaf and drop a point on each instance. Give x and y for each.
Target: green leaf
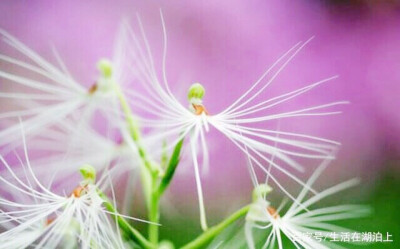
(173, 163)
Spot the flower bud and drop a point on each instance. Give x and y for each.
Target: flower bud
(260, 191)
(105, 68)
(196, 93)
(88, 173)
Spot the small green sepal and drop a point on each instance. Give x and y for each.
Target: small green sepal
(88, 173)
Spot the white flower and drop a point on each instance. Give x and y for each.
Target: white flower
(35, 216)
(43, 94)
(300, 220)
(68, 146)
(72, 146)
(239, 122)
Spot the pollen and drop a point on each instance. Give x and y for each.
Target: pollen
(272, 211)
(49, 221)
(199, 109)
(93, 89)
(79, 191)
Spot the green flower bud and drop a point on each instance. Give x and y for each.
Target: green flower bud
(88, 173)
(105, 68)
(260, 191)
(196, 92)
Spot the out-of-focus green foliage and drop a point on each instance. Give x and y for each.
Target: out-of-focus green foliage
(385, 201)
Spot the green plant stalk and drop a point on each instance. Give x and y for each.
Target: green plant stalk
(154, 213)
(212, 232)
(146, 181)
(126, 228)
(158, 190)
(134, 131)
(151, 172)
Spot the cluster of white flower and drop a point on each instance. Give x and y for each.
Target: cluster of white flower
(57, 116)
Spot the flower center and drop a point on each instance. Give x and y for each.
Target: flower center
(195, 96)
(199, 109)
(272, 211)
(105, 81)
(49, 221)
(93, 89)
(79, 191)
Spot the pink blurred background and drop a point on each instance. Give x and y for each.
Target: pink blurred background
(227, 45)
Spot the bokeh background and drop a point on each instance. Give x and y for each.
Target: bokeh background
(227, 45)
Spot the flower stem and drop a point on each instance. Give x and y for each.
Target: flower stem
(154, 213)
(154, 179)
(158, 190)
(152, 171)
(126, 228)
(212, 232)
(134, 131)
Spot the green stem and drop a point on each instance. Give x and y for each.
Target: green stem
(134, 131)
(154, 213)
(158, 190)
(151, 172)
(126, 228)
(212, 232)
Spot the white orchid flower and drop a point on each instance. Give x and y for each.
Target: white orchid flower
(33, 215)
(43, 94)
(300, 220)
(240, 122)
